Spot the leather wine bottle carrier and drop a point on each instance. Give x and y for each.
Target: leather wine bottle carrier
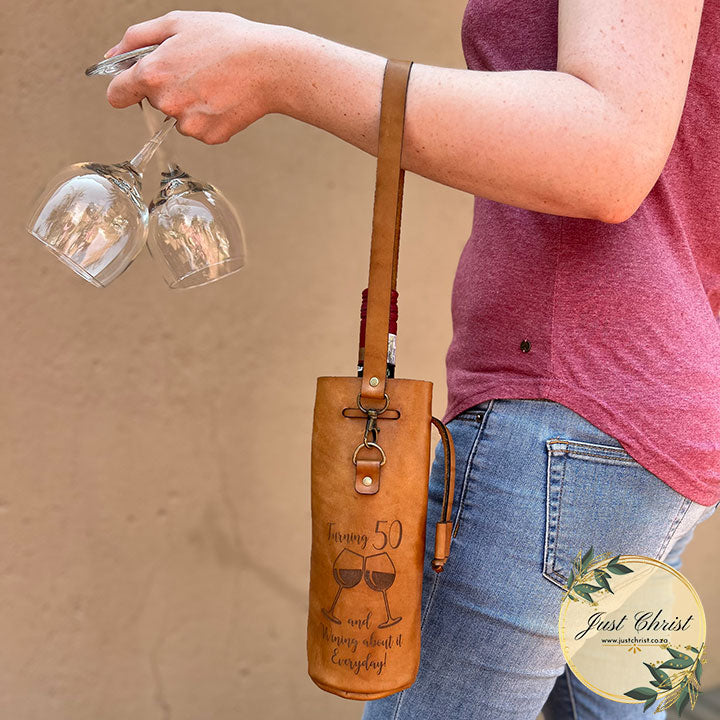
(370, 466)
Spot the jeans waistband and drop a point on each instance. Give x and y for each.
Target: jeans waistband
(480, 406)
(486, 404)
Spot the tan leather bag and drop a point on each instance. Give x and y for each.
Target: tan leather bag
(370, 468)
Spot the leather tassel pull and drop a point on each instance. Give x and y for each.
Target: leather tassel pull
(443, 537)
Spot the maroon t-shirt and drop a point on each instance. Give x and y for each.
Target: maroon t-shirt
(618, 322)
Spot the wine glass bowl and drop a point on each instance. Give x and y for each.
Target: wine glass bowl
(347, 572)
(93, 218)
(195, 233)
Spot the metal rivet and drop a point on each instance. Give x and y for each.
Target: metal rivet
(367, 480)
(525, 346)
(374, 381)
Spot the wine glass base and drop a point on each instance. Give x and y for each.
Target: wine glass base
(331, 617)
(84, 274)
(389, 623)
(198, 278)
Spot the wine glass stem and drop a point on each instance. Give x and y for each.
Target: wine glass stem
(141, 160)
(161, 156)
(337, 596)
(387, 607)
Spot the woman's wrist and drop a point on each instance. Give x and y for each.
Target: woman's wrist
(326, 84)
(291, 55)
(281, 46)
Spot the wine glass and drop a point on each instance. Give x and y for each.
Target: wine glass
(379, 576)
(195, 234)
(194, 231)
(92, 216)
(348, 572)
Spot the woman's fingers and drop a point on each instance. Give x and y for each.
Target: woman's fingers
(145, 79)
(150, 32)
(133, 84)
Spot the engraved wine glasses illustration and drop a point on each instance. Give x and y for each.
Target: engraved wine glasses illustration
(378, 571)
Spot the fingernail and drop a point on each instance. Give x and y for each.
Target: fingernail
(109, 52)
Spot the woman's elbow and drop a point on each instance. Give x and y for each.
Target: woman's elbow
(627, 184)
(618, 211)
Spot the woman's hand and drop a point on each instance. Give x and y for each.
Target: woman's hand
(213, 71)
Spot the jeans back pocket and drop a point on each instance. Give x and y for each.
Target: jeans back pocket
(599, 496)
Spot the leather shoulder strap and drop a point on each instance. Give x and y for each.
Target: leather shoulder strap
(387, 211)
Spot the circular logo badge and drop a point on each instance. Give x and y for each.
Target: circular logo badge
(632, 629)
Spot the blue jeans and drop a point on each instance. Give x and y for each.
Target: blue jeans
(536, 482)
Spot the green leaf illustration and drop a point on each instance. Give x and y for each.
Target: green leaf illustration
(662, 679)
(695, 650)
(586, 560)
(601, 580)
(571, 579)
(612, 561)
(682, 700)
(619, 569)
(583, 595)
(685, 692)
(681, 656)
(586, 588)
(642, 693)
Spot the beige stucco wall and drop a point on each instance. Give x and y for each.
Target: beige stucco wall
(154, 444)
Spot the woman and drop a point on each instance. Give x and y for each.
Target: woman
(583, 374)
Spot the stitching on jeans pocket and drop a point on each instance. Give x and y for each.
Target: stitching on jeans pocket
(554, 480)
(605, 453)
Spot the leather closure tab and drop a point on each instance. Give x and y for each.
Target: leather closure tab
(367, 477)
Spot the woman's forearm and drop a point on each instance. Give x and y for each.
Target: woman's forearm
(541, 140)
